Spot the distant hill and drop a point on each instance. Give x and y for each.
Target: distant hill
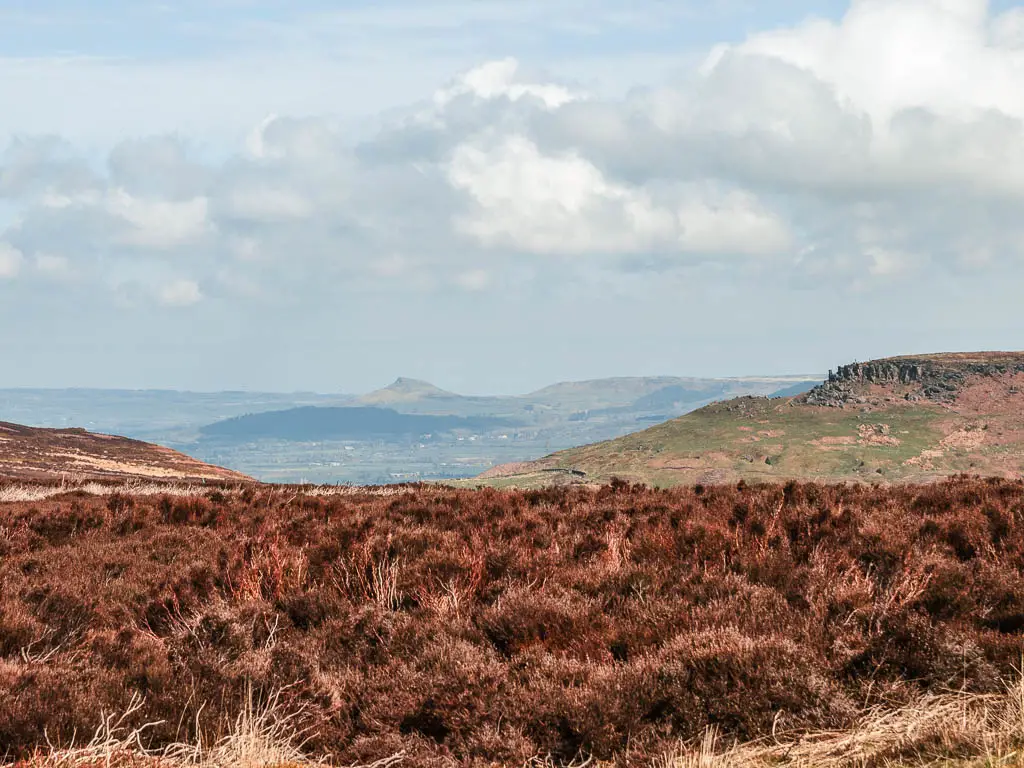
(914, 418)
(618, 391)
(404, 390)
(676, 396)
(33, 453)
(794, 389)
(166, 417)
(413, 395)
(622, 402)
(356, 423)
(626, 393)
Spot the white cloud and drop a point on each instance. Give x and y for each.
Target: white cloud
(877, 159)
(31, 166)
(1007, 29)
(157, 167)
(735, 223)
(550, 204)
(502, 79)
(179, 293)
(872, 147)
(886, 56)
(937, 80)
(53, 266)
(310, 141)
(10, 261)
(886, 262)
(158, 224)
(59, 200)
(116, 217)
(255, 143)
(265, 202)
(564, 204)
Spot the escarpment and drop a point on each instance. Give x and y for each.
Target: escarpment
(937, 378)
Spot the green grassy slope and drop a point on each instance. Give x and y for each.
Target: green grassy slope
(757, 438)
(871, 430)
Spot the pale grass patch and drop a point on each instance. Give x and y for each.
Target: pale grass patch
(382, 584)
(28, 493)
(354, 490)
(371, 578)
(34, 654)
(16, 492)
(953, 730)
(261, 736)
(706, 753)
(113, 743)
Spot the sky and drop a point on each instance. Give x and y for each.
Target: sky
(495, 195)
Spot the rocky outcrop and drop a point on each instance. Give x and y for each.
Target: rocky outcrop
(936, 378)
(880, 372)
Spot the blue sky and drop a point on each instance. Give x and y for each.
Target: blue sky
(495, 195)
(177, 29)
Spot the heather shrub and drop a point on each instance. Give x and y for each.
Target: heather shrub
(489, 627)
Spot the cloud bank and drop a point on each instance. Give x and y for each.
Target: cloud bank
(882, 148)
(885, 143)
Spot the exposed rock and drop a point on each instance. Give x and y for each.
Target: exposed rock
(934, 378)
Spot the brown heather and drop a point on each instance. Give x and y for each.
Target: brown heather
(445, 627)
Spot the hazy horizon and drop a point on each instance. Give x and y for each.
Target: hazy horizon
(497, 196)
(760, 377)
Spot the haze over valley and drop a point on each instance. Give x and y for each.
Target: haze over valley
(407, 431)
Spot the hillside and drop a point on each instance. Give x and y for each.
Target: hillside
(313, 423)
(905, 419)
(31, 453)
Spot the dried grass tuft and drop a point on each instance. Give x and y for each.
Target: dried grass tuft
(263, 735)
(383, 491)
(28, 493)
(956, 729)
